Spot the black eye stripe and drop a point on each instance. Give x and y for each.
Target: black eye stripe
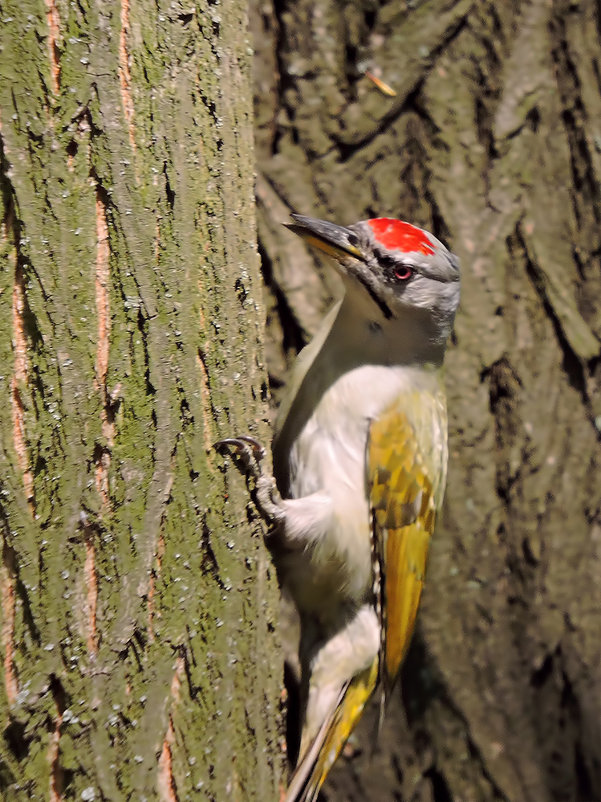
(388, 262)
(383, 306)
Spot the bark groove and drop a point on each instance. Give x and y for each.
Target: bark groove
(491, 142)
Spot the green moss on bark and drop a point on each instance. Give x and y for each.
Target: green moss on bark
(137, 591)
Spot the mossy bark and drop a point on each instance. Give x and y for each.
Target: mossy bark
(138, 654)
(491, 141)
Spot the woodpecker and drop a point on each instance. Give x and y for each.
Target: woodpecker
(359, 470)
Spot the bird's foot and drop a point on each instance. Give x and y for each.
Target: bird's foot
(249, 454)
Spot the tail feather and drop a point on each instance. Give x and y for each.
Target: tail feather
(318, 759)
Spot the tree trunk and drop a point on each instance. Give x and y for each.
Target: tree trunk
(138, 601)
(490, 139)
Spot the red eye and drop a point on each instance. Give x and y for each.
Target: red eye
(403, 272)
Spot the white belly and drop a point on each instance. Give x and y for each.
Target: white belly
(327, 459)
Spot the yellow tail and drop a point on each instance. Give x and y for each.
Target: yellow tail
(318, 759)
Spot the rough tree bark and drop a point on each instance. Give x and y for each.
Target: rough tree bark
(138, 657)
(493, 142)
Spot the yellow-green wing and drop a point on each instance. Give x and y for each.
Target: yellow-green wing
(406, 465)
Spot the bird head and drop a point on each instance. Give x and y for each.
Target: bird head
(399, 267)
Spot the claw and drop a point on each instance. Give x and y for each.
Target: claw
(241, 442)
(250, 452)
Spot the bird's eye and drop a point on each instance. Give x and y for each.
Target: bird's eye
(394, 268)
(403, 272)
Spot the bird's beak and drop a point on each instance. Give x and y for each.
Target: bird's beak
(336, 241)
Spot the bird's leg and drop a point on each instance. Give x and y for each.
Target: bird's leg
(249, 454)
(295, 523)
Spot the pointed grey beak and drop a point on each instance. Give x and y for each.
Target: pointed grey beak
(337, 241)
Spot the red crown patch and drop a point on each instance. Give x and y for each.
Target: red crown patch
(397, 235)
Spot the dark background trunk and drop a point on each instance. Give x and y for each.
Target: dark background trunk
(493, 142)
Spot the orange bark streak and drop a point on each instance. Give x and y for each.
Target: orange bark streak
(102, 295)
(125, 74)
(7, 596)
(103, 462)
(207, 416)
(92, 596)
(19, 378)
(102, 342)
(166, 781)
(53, 20)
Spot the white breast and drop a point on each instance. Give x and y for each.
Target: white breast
(328, 458)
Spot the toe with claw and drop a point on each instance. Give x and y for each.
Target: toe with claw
(248, 450)
(250, 453)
